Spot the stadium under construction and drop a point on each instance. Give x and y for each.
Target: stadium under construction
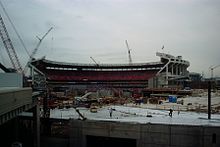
(164, 73)
(89, 105)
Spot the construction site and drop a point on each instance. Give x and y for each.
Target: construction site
(149, 104)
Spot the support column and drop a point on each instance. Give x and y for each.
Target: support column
(167, 75)
(36, 115)
(172, 69)
(209, 100)
(183, 70)
(177, 69)
(32, 75)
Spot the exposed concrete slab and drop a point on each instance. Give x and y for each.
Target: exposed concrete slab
(13, 101)
(139, 116)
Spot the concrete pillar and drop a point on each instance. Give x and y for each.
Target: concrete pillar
(167, 74)
(184, 70)
(36, 115)
(172, 69)
(209, 100)
(177, 69)
(32, 74)
(179, 72)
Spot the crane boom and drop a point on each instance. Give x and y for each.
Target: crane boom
(40, 40)
(9, 47)
(94, 61)
(13, 26)
(129, 52)
(4, 68)
(35, 49)
(216, 66)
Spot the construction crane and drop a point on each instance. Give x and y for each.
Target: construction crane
(9, 47)
(129, 52)
(212, 70)
(94, 61)
(35, 49)
(4, 68)
(14, 28)
(40, 40)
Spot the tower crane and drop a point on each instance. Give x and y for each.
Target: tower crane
(14, 28)
(40, 40)
(129, 52)
(212, 70)
(9, 47)
(35, 49)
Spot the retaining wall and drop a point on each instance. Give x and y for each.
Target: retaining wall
(146, 135)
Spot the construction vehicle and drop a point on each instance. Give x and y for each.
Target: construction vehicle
(93, 108)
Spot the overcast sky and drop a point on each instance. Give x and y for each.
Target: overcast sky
(99, 28)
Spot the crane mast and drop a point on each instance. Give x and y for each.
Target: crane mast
(9, 47)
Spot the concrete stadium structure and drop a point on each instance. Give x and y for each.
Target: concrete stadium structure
(98, 133)
(14, 100)
(125, 128)
(135, 75)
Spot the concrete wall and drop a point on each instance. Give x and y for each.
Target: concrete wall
(11, 80)
(146, 135)
(54, 142)
(13, 102)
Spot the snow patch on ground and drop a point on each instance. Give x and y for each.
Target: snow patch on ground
(138, 115)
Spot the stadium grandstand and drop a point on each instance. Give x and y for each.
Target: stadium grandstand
(135, 75)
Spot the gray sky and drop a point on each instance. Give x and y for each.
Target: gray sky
(99, 28)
